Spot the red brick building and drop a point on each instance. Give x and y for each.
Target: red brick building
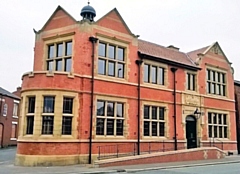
(9, 104)
(97, 84)
(237, 99)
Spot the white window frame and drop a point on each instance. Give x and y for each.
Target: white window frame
(14, 123)
(115, 60)
(5, 109)
(217, 124)
(151, 120)
(150, 78)
(55, 58)
(114, 117)
(15, 109)
(214, 83)
(192, 84)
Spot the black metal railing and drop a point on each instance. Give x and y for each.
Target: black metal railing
(130, 149)
(214, 142)
(217, 143)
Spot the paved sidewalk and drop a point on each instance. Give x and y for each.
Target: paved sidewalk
(138, 168)
(7, 166)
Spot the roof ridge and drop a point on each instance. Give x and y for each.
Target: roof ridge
(162, 46)
(198, 49)
(190, 59)
(7, 93)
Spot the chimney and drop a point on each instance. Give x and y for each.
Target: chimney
(173, 48)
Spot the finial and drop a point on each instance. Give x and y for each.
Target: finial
(88, 2)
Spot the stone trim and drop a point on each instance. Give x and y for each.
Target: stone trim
(126, 117)
(166, 125)
(39, 95)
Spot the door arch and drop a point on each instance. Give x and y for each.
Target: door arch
(191, 131)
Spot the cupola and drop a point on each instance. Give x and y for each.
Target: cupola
(88, 12)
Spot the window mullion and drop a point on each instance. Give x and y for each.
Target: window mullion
(115, 119)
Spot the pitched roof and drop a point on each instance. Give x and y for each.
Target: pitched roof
(237, 82)
(7, 93)
(120, 17)
(158, 51)
(194, 54)
(57, 9)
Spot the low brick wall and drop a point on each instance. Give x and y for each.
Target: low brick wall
(163, 157)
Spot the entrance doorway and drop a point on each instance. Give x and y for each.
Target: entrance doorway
(191, 132)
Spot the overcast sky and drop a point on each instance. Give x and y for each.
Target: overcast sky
(187, 24)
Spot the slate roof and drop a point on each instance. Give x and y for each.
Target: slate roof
(8, 94)
(237, 82)
(194, 54)
(158, 51)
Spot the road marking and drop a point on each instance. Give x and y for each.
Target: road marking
(4, 162)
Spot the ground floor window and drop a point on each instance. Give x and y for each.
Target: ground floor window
(30, 122)
(154, 121)
(47, 124)
(66, 125)
(110, 118)
(217, 125)
(14, 131)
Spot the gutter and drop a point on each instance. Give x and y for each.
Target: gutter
(139, 63)
(93, 40)
(169, 62)
(174, 105)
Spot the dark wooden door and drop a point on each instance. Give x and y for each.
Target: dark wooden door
(191, 132)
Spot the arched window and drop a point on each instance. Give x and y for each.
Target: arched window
(5, 107)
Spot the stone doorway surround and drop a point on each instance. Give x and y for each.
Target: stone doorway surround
(191, 102)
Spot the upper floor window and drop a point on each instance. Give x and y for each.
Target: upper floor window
(217, 125)
(216, 82)
(59, 56)
(5, 108)
(111, 60)
(67, 116)
(15, 109)
(154, 121)
(153, 74)
(48, 105)
(110, 118)
(30, 115)
(191, 81)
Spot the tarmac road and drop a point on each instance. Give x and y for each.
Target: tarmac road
(231, 168)
(228, 165)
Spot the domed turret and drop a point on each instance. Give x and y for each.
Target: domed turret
(88, 12)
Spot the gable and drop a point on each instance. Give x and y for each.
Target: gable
(216, 51)
(60, 18)
(114, 21)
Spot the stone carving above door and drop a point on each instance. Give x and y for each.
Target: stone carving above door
(192, 100)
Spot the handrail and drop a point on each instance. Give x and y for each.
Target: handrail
(120, 150)
(213, 142)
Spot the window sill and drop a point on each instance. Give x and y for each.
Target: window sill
(67, 136)
(46, 136)
(217, 140)
(156, 86)
(106, 137)
(110, 78)
(28, 135)
(154, 138)
(52, 73)
(13, 139)
(191, 91)
(217, 96)
(15, 116)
